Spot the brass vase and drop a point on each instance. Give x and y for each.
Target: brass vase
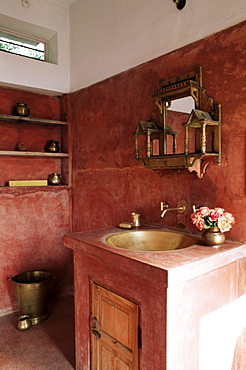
(213, 237)
(21, 109)
(52, 146)
(54, 179)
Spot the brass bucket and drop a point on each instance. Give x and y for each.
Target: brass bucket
(32, 291)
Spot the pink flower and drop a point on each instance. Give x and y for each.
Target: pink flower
(219, 210)
(205, 218)
(198, 220)
(214, 215)
(223, 224)
(204, 211)
(200, 224)
(229, 218)
(196, 217)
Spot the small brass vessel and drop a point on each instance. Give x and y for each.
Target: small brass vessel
(52, 146)
(24, 322)
(21, 109)
(21, 147)
(54, 179)
(213, 237)
(135, 219)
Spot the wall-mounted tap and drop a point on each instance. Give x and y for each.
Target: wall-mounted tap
(165, 207)
(195, 209)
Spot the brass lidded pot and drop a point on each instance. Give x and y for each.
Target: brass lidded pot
(21, 109)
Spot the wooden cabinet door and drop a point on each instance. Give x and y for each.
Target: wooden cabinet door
(114, 331)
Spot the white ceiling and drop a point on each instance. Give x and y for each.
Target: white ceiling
(101, 38)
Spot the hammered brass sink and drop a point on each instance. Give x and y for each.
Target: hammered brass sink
(150, 240)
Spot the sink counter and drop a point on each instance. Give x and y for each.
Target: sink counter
(174, 291)
(177, 265)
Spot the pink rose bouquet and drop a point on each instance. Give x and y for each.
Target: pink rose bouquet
(205, 218)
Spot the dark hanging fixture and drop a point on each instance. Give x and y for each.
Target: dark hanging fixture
(180, 4)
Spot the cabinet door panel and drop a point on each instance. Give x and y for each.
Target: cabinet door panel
(112, 362)
(117, 347)
(115, 319)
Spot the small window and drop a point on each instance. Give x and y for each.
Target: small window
(23, 45)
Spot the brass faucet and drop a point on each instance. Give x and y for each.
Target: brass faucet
(165, 207)
(195, 209)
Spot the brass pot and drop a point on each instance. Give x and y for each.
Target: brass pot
(213, 237)
(54, 179)
(24, 322)
(22, 109)
(52, 146)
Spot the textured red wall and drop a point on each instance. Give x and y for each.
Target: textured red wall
(32, 222)
(109, 184)
(41, 106)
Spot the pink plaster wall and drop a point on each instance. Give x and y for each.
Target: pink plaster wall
(32, 220)
(109, 184)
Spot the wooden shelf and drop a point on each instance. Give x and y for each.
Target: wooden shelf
(29, 189)
(32, 154)
(52, 162)
(196, 162)
(36, 121)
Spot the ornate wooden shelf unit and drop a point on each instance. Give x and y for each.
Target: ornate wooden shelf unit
(198, 138)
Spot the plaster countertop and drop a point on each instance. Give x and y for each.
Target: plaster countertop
(177, 265)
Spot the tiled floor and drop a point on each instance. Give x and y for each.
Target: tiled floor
(46, 346)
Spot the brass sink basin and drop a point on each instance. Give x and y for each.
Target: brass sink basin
(150, 240)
